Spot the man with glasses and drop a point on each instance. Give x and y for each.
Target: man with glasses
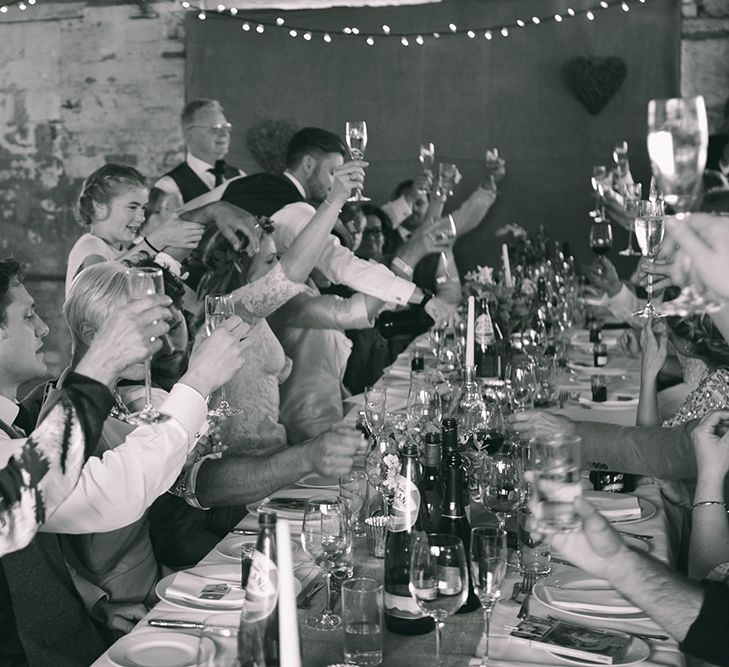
(207, 138)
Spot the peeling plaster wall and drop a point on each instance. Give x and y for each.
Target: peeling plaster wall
(83, 83)
(79, 86)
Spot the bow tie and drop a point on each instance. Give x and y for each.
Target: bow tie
(218, 170)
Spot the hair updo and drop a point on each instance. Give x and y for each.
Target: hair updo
(699, 337)
(102, 186)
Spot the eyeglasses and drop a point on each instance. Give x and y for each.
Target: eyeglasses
(218, 128)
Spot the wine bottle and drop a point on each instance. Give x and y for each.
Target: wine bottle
(411, 321)
(408, 513)
(488, 344)
(432, 483)
(453, 520)
(450, 441)
(258, 640)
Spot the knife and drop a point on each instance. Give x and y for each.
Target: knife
(285, 504)
(175, 623)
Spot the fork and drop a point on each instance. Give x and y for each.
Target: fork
(563, 396)
(527, 584)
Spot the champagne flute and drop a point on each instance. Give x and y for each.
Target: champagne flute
(356, 134)
(436, 336)
(649, 231)
(631, 193)
(502, 490)
(375, 400)
(523, 383)
(488, 568)
(678, 134)
(143, 281)
(324, 538)
(427, 159)
(438, 579)
(601, 180)
(447, 175)
(218, 308)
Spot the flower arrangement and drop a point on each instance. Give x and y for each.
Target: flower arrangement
(267, 142)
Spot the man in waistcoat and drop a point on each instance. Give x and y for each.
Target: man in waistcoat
(207, 139)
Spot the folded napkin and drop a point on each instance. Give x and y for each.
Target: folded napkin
(190, 588)
(615, 506)
(599, 600)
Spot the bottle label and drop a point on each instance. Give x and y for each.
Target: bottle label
(262, 589)
(483, 330)
(405, 506)
(402, 606)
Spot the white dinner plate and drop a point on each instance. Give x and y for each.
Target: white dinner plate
(157, 648)
(647, 508)
(228, 573)
(579, 580)
(638, 651)
(290, 514)
(230, 547)
(585, 368)
(611, 404)
(316, 481)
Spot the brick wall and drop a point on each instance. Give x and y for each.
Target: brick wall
(82, 83)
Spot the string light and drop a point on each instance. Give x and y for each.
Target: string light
(405, 38)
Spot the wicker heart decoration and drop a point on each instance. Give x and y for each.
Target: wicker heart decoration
(595, 80)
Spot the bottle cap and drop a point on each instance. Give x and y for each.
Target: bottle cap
(449, 423)
(266, 518)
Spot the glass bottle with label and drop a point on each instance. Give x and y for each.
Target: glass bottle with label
(258, 639)
(488, 344)
(432, 483)
(407, 513)
(453, 520)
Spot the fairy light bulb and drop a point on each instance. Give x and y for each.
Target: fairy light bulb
(280, 21)
(327, 38)
(488, 35)
(505, 31)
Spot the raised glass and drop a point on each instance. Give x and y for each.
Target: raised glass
(218, 308)
(356, 135)
(649, 231)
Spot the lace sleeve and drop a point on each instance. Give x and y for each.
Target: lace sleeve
(266, 294)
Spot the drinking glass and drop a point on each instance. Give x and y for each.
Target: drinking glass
(602, 179)
(631, 197)
(546, 381)
(362, 614)
(522, 382)
(427, 155)
(218, 308)
(353, 490)
(356, 134)
(438, 578)
(447, 175)
(143, 281)
(436, 336)
(601, 237)
(375, 409)
(649, 230)
(557, 483)
(424, 408)
(678, 135)
(324, 538)
(502, 490)
(534, 554)
(489, 560)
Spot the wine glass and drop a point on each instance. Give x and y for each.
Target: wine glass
(522, 382)
(427, 155)
(218, 308)
(502, 490)
(143, 281)
(602, 179)
(678, 135)
(601, 237)
(436, 336)
(438, 578)
(631, 193)
(423, 408)
(447, 176)
(488, 568)
(649, 231)
(356, 134)
(324, 538)
(375, 402)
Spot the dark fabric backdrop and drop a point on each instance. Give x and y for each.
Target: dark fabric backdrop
(463, 94)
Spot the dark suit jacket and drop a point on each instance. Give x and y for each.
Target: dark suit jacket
(262, 194)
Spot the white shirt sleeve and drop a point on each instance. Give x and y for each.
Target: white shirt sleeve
(116, 489)
(624, 304)
(470, 213)
(339, 264)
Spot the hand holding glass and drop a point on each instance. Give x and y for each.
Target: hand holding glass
(143, 281)
(356, 135)
(649, 230)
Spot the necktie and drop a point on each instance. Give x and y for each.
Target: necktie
(24, 420)
(218, 171)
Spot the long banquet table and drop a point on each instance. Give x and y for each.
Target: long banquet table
(462, 633)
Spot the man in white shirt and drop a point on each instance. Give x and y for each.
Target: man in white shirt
(207, 138)
(289, 200)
